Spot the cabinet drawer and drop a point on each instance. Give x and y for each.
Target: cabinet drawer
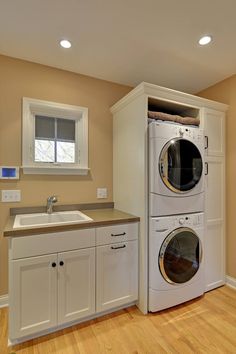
(36, 245)
(116, 233)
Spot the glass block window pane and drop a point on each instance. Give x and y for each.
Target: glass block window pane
(65, 129)
(54, 139)
(65, 152)
(44, 150)
(44, 127)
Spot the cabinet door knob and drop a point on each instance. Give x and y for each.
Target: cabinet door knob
(54, 264)
(61, 263)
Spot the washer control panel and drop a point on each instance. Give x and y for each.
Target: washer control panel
(167, 223)
(189, 220)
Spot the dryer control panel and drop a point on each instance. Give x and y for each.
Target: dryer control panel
(169, 131)
(190, 133)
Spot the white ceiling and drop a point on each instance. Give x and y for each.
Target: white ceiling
(125, 41)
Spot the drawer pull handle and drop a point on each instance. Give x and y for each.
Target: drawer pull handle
(54, 264)
(117, 247)
(61, 263)
(123, 234)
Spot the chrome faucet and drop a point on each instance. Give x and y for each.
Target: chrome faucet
(50, 201)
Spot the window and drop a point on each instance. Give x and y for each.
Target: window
(55, 138)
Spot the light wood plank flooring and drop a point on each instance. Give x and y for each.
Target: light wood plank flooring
(204, 325)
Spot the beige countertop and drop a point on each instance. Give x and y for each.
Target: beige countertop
(101, 217)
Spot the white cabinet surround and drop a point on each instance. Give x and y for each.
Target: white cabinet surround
(90, 272)
(130, 169)
(214, 127)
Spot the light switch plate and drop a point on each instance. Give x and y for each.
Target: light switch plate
(101, 193)
(9, 196)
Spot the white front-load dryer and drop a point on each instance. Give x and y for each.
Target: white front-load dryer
(176, 169)
(176, 266)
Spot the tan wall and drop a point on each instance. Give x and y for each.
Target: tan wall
(225, 92)
(20, 78)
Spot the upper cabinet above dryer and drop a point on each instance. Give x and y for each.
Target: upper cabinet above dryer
(213, 124)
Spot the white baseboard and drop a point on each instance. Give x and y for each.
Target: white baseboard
(3, 301)
(230, 281)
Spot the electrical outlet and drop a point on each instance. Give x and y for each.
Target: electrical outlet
(101, 193)
(9, 196)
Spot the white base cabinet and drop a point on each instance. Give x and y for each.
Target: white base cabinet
(33, 295)
(116, 265)
(51, 290)
(117, 276)
(76, 285)
(89, 272)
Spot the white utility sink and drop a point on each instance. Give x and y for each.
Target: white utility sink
(44, 219)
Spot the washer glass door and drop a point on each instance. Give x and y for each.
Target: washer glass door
(180, 165)
(180, 256)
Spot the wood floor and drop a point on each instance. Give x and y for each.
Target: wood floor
(205, 325)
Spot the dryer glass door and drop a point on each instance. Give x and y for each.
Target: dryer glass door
(180, 256)
(180, 165)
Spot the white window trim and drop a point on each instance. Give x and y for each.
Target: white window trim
(30, 108)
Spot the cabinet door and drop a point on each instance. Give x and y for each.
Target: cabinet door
(33, 295)
(76, 284)
(213, 122)
(215, 224)
(117, 275)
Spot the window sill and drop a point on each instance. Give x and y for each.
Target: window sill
(54, 170)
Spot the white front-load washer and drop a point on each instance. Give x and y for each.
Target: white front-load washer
(176, 266)
(176, 169)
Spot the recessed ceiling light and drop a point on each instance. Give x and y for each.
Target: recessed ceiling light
(205, 40)
(65, 43)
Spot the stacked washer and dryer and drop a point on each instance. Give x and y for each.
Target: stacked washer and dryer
(176, 218)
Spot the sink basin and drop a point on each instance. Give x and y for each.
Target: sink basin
(44, 219)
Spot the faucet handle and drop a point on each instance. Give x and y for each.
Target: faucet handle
(52, 198)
